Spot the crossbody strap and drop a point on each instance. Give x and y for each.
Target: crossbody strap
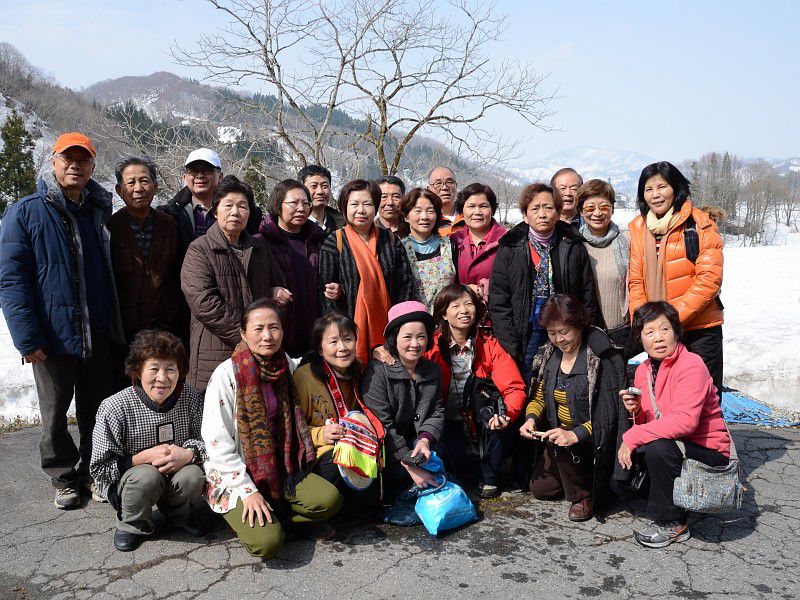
(681, 445)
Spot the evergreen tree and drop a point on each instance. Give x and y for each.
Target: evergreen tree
(17, 172)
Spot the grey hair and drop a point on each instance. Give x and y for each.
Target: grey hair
(144, 161)
(440, 167)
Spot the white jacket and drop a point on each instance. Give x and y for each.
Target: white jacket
(226, 474)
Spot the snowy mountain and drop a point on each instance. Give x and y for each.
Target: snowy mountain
(621, 168)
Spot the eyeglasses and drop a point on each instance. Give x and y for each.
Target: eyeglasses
(294, 205)
(194, 172)
(439, 184)
(71, 160)
(603, 208)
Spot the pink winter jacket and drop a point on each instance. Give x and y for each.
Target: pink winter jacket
(688, 402)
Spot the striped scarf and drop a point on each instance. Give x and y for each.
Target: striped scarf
(259, 449)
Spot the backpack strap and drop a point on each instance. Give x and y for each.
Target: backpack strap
(691, 240)
(339, 242)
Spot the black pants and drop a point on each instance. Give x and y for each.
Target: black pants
(352, 498)
(708, 344)
(461, 458)
(566, 471)
(57, 379)
(663, 459)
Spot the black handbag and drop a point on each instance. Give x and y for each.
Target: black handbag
(485, 399)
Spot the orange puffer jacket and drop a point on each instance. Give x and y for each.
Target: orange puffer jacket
(693, 289)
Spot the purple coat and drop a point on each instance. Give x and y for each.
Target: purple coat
(477, 269)
(300, 319)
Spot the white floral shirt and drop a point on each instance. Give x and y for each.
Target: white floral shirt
(226, 474)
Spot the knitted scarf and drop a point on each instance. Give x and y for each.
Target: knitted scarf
(372, 298)
(654, 278)
(621, 245)
(262, 454)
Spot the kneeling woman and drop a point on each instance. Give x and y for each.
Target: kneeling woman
(574, 410)
(327, 387)
(146, 447)
(461, 352)
(406, 396)
(679, 402)
(259, 448)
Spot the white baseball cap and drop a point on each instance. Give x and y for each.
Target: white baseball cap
(205, 155)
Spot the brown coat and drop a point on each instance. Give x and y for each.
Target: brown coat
(149, 295)
(218, 287)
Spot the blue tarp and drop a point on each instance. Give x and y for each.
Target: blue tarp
(740, 409)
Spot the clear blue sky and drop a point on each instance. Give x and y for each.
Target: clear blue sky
(669, 79)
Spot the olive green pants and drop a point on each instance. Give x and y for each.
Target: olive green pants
(315, 500)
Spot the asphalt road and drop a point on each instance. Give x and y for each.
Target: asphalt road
(522, 548)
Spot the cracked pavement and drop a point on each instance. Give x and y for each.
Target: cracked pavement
(521, 547)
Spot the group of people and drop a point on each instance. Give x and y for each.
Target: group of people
(216, 349)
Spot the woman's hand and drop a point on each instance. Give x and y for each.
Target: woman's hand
(497, 422)
(423, 447)
(527, 429)
(421, 477)
(332, 432)
(255, 506)
(282, 296)
(560, 437)
(333, 291)
(633, 403)
(382, 354)
(624, 456)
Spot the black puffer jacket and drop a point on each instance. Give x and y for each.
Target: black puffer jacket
(592, 395)
(512, 279)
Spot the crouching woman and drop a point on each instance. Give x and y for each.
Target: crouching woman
(146, 447)
(678, 402)
(260, 451)
(574, 409)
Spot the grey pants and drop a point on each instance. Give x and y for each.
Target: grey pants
(57, 379)
(142, 486)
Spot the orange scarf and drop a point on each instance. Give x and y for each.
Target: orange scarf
(372, 299)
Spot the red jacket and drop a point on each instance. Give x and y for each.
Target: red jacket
(688, 402)
(477, 270)
(490, 361)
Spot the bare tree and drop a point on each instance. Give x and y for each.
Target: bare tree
(363, 78)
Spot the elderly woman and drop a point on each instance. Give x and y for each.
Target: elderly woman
(328, 388)
(363, 269)
(476, 244)
(540, 257)
(406, 396)
(678, 402)
(146, 447)
(429, 254)
(295, 241)
(474, 445)
(260, 451)
(574, 410)
(676, 256)
(609, 253)
(223, 272)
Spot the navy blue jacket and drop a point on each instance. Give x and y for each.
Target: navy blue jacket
(42, 286)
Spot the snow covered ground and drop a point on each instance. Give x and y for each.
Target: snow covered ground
(761, 293)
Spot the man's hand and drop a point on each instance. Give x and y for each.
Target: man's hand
(282, 296)
(36, 356)
(146, 457)
(333, 291)
(174, 459)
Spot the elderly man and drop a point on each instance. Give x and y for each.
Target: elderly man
(566, 183)
(442, 181)
(191, 207)
(392, 191)
(60, 303)
(144, 253)
(317, 180)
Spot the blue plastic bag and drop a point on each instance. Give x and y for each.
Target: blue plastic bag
(445, 506)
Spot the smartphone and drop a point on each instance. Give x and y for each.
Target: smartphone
(538, 434)
(414, 461)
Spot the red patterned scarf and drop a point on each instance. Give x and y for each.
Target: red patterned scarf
(260, 450)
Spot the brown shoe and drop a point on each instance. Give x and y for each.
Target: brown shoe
(581, 510)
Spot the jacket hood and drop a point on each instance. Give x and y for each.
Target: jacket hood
(518, 236)
(270, 230)
(48, 187)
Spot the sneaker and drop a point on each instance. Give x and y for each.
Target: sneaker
(67, 498)
(488, 491)
(92, 489)
(660, 534)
